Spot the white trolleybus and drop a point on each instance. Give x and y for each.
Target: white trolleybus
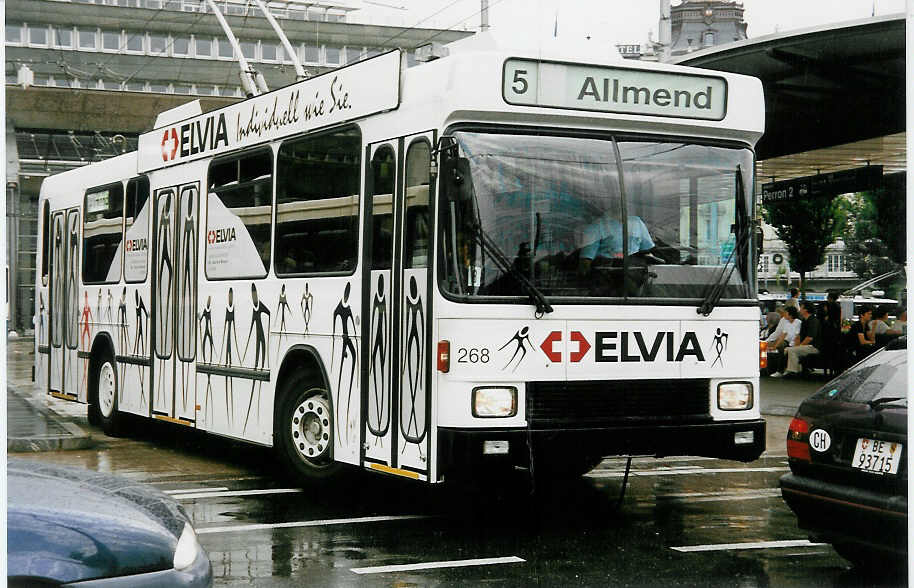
(495, 256)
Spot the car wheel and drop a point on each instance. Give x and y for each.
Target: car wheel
(105, 396)
(868, 559)
(305, 431)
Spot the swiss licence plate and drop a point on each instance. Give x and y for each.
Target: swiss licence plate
(878, 457)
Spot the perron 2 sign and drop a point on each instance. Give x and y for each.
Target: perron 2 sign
(831, 184)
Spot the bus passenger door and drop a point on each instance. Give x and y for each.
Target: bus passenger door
(56, 306)
(377, 357)
(413, 236)
(74, 380)
(174, 303)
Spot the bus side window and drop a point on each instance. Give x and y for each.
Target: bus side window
(45, 241)
(383, 167)
(416, 245)
(136, 229)
(317, 203)
(102, 225)
(239, 201)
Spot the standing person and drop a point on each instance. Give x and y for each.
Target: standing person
(793, 300)
(808, 342)
(861, 344)
(830, 319)
(783, 337)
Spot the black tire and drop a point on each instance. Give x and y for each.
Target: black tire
(304, 430)
(868, 559)
(104, 408)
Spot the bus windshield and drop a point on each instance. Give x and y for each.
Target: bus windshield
(594, 217)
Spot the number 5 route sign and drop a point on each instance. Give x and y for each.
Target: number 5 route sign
(527, 82)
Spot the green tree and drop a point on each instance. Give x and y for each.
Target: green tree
(875, 235)
(807, 227)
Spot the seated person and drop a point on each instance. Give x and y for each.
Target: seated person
(880, 332)
(782, 337)
(860, 344)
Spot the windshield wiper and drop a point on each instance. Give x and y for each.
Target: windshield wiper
(877, 403)
(741, 227)
(501, 260)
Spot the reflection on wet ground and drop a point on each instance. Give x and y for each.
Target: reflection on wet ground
(263, 530)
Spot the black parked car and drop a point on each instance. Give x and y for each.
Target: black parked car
(847, 449)
(69, 526)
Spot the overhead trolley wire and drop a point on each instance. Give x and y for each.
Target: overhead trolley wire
(406, 30)
(450, 28)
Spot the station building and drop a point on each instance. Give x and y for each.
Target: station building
(85, 77)
(834, 102)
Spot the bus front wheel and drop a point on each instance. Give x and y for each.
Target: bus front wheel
(305, 429)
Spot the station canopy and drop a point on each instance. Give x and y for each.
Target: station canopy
(834, 95)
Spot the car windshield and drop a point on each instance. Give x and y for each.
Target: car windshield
(595, 217)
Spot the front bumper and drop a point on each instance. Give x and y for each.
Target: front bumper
(198, 575)
(845, 514)
(459, 448)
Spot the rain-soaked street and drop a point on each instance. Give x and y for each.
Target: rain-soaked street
(677, 524)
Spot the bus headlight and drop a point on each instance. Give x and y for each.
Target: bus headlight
(496, 401)
(734, 396)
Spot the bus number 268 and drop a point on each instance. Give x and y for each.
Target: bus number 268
(472, 355)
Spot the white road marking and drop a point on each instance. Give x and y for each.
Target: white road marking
(191, 490)
(680, 472)
(756, 545)
(226, 493)
(690, 497)
(439, 564)
(315, 523)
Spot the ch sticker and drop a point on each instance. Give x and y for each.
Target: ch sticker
(820, 440)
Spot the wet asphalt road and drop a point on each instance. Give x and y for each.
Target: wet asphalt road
(673, 528)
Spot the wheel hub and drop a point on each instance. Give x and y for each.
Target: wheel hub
(310, 426)
(106, 389)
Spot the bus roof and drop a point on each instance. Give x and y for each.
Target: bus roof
(476, 82)
(483, 79)
(66, 189)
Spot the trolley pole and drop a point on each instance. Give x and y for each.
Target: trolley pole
(253, 84)
(290, 51)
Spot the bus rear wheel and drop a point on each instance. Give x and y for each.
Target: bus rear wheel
(104, 396)
(305, 430)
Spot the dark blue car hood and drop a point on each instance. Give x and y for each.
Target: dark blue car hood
(67, 524)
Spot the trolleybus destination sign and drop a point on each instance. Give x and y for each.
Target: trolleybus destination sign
(348, 93)
(614, 89)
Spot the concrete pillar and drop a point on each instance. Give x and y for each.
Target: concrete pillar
(11, 272)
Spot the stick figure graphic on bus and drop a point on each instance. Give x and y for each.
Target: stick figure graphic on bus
(225, 356)
(206, 320)
(261, 349)
(378, 421)
(281, 308)
(415, 342)
(187, 270)
(343, 312)
(307, 304)
(522, 339)
(165, 269)
(720, 345)
(86, 337)
(139, 343)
